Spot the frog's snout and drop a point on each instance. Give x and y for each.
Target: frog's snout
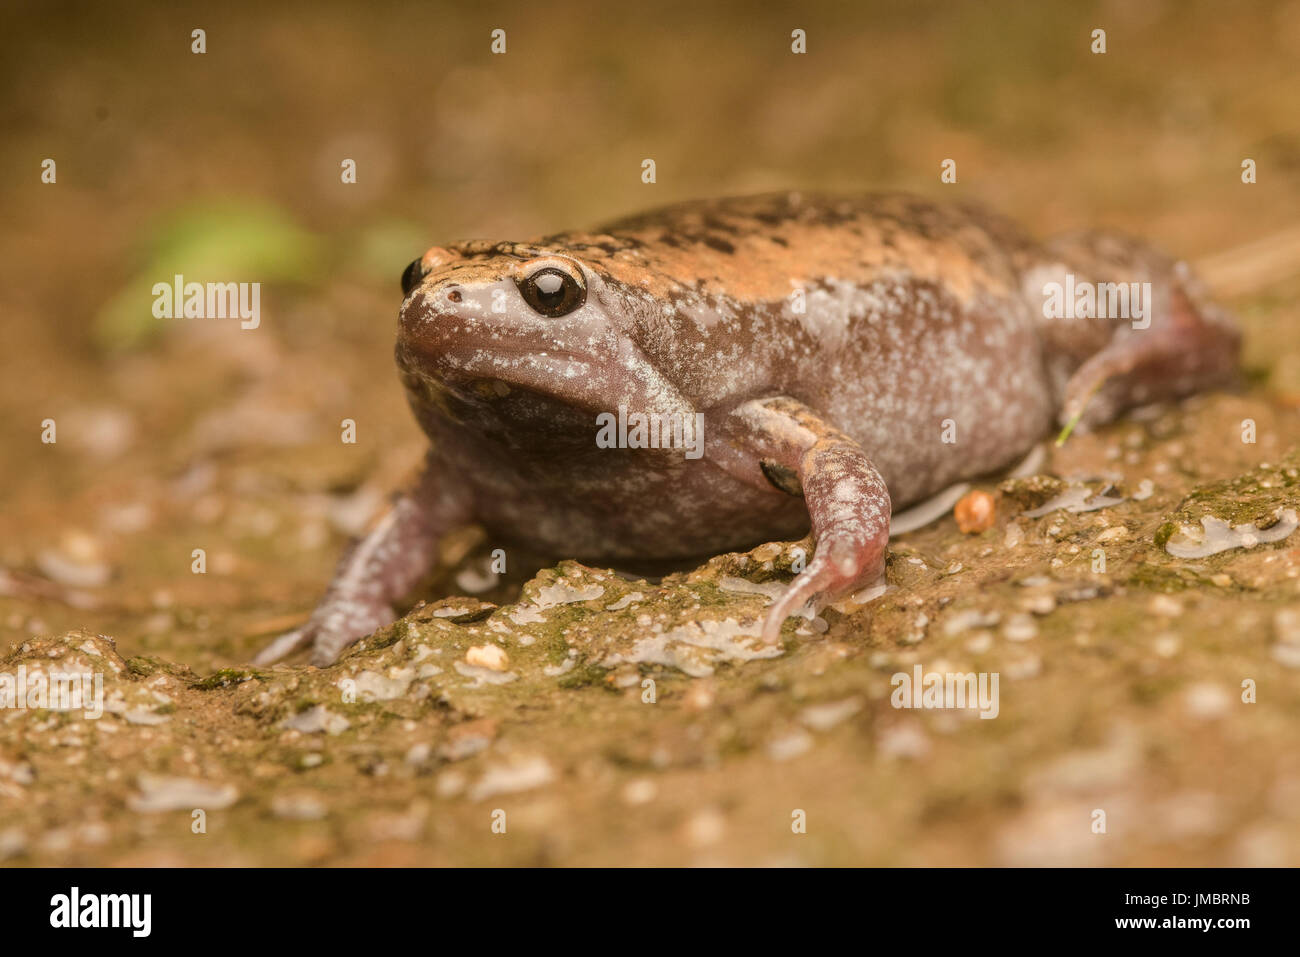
(444, 319)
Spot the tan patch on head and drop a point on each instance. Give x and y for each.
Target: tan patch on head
(438, 256)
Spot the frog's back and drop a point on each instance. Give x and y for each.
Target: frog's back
(753, 248)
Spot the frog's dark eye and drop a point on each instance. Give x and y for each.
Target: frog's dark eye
(552, 292)
(412, 275)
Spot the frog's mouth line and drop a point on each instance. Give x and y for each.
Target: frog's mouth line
(576, 381)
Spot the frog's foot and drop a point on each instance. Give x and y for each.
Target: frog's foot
(376, 572)
(783, 444)
(336, 623)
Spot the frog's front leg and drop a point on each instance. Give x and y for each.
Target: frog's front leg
(377, 571)
(781, 443)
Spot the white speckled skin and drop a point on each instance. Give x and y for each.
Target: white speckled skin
(860, 352)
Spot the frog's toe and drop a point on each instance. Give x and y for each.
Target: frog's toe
(332, 628)
(283, 646)
(345, 624)
(837, 570)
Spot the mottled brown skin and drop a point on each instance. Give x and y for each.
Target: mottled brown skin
(849, 355)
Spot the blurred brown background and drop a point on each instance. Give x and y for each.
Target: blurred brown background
(175, 434)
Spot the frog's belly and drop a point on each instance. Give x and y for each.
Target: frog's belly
(644, 515)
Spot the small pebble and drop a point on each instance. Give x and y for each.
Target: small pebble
(705, 827)
(904, 741)
(1167, 645)
(1206, 701)
(789, 745)
(298, 807)
(1166, 606)
(976, 511)
(640, 791)
(1019, 627)
(492, 657)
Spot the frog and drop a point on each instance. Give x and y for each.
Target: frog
(836, 358)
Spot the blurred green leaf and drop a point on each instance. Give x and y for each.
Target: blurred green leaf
(386, 247)
(236, 241)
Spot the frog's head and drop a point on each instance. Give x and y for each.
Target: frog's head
(529, 339)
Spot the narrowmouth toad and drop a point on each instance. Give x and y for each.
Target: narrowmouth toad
(849, 356)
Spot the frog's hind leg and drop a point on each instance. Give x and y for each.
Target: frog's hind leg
(1170, 342)
(1183, 349)
(782, 444)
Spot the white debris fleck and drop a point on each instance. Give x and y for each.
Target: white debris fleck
(554, 671)
(705, 827)
(696, 646)
(640, 791)
(523, 775)
(1030, 666)
(1075, 498)
(418, 753)
(626, 600)
(450, 783)
(476, 581)
(451, 611)
(789, 745)
(298, 806)
(970, 618)
(372, 686)
(1216, 535)
(905, 740)
(163, 793)
(1019, 627)
(12, 842)
(563, 593)
(1287, 654)
(823, 717)
(525, 615)
(772, 590)
(1286, 628)
(484, 676)
(73, 570)
(1167, 644)
(1166, 606)
(1205, 700)
(317, 719)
